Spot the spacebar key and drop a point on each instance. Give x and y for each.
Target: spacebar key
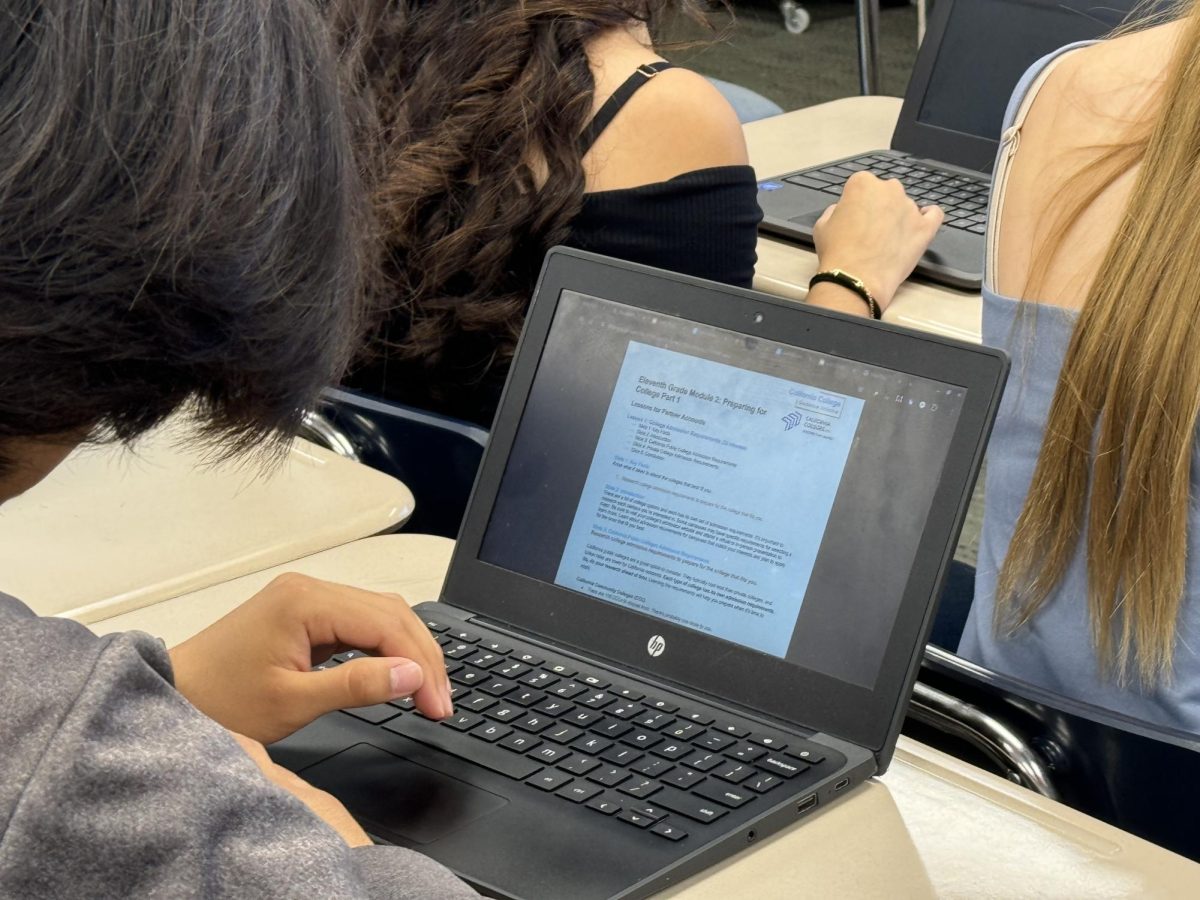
(456, 743)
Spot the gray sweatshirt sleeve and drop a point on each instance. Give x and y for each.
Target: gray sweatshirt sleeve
(113, 785)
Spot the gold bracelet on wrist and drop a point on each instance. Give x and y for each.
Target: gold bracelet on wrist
(850, 283)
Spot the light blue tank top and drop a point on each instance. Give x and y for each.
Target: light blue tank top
(1055, 651)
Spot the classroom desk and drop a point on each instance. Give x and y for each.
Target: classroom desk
(824, 133)
(112, 530)
(932, 826)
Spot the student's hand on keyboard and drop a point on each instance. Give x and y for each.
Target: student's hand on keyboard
(252, 672)
(326, 806)
(876, 233)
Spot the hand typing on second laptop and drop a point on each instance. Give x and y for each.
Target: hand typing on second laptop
(251, 671)
(875, 233)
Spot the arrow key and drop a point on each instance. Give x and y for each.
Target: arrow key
(635, 818)
(669, 831)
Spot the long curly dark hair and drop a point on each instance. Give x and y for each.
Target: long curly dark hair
(482, 103)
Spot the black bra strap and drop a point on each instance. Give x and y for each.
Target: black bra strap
(619, 98)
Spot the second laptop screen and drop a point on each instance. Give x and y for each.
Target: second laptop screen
(989, 44)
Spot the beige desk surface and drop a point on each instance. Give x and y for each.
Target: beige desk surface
(112, 530)
(932, 826)
(823, 133)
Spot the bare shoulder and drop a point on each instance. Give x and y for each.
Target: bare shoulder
(693, 108)
(677, 122)
(1117, 78)
(1095, 98)
(1101, 94)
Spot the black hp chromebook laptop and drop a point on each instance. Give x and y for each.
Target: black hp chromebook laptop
(688, 600)
(945, 142)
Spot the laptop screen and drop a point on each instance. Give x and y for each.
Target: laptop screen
(972, 58)
(758, 492)
(988, 45)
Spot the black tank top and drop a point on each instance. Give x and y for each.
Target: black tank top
(702, 223)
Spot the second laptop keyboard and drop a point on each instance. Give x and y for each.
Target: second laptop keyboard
(963, 198)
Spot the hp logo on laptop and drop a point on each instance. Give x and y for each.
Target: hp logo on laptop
(656, 645)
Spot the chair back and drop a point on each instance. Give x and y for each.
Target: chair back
(434, 455)
(1142, 778)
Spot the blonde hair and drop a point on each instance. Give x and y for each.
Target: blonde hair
(1121, 428)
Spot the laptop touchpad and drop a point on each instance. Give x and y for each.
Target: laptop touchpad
(399, 799)
(809, 219)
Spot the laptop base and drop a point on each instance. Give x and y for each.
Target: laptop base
(512, 840)
(790, 210)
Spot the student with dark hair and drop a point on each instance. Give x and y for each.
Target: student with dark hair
(180, 225)
(515, 125)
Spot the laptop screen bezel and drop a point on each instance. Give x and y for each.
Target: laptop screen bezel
(617, 635)
(924, 140)
(929, 141)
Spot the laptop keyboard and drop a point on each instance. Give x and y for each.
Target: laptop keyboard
(964, 199)
(640, 759)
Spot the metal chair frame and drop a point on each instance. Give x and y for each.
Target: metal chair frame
(1137, 776)
(434, 455)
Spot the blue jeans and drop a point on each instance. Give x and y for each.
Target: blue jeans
(749, 105)
(957, 595)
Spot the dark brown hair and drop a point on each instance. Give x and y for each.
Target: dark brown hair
(482, 102)
(181, 217)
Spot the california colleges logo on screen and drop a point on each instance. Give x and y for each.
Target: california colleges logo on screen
(656, 645)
